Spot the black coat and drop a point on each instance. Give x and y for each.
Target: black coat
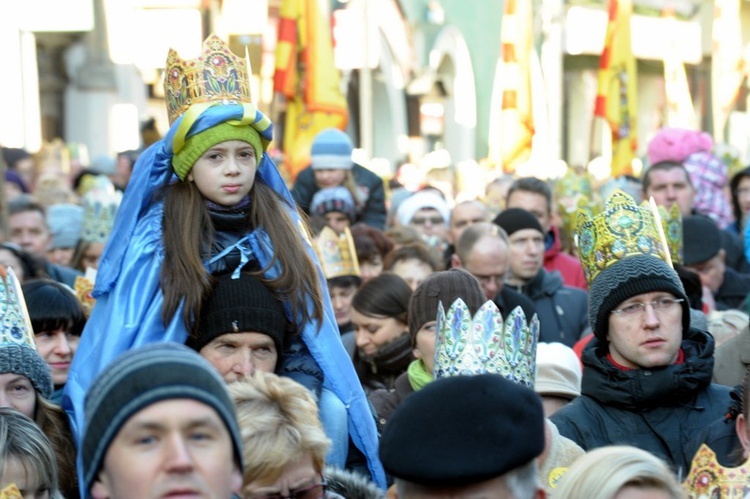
(658, 410)
(372, 212)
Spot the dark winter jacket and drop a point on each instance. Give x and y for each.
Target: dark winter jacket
(659, 410)
(507, 299)
(562, 311)
(370, 187)
(733, 291)
(386, 401)
(382, 369)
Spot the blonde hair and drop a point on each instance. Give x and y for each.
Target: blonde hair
(279, 422)
(21, 439)
(603, 472)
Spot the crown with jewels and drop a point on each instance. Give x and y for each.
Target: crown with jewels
(568, 215)
(217, 75)
(572, 184)
(671, 222)
(100, 204)
(15, 324)
(337, 253)
(82, 287)
(485, 343)
(622, 230)
(708, 479)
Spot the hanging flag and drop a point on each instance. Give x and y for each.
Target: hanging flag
(306, 76)
(680, 110)
(728, 67)
(616, 92)
(511, 146)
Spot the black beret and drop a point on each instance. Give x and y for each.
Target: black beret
(701, 239)
(515, 219)
(463, 430)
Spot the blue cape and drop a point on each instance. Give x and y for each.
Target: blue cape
(127, 313)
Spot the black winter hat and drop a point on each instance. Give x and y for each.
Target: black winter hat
(627, 278)
(240, 305)
(701, 239)
(462, 430)
(515, 219)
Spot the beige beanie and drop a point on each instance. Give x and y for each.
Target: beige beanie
(558, 371)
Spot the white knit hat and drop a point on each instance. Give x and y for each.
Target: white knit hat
(558, 371)
(418, 201)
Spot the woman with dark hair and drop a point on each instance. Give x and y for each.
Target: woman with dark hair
(21, 261)
(380, 345)
(57, 318)
(372, 245)
(740, 189)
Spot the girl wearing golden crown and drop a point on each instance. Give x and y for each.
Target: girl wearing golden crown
(203, 201)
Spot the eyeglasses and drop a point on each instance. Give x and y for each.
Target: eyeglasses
(658, 305)
(436, 220)
(316, 491)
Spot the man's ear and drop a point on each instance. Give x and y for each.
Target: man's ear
(722, 255)
(455, 262)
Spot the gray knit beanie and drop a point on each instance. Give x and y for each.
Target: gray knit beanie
(23, 359)
(629, 277)
(444, 287)
(141, 377)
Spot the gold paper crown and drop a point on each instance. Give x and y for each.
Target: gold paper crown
(100, 206)
(83, 286)
(337, 253)
(623, 229)
(569, 217)
(217, 75)
(485, 344)
(11, 492)
(708, 479)
(572, 185)
(671, 222)
(15, 324)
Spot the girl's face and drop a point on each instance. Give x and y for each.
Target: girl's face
(329, 178)
(226, 172)
(91, 255)
(16, 391)
(425, 345)
(28, 481)
(372, 333)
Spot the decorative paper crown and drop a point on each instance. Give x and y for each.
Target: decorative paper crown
(628, 185)
(83, 286)
(337, 253)
(623, 229)
(572, 185)
(100, 206)
(11, 492)
(15, 324)
(217, 75)
(484, 344)
(569, 218)
(708, 479)
(671, 222)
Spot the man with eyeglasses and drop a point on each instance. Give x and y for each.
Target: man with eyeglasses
(561, 309)
(482, 250)
(647, 373)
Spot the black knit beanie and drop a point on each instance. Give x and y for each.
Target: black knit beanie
(142, 377)
(444, 287)
(515, 219)
(240, 305)
(627, 278)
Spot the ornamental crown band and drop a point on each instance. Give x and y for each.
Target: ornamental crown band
(622, 230)
(217, 75)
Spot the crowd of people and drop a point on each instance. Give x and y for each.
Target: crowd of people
(191, 323)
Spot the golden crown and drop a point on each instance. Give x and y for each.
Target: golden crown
(100, 206)
(485, 343)
(217, 75)
(707, 478)
(671, 222)
(83, 286)
(568, 215)
(572, 184)
(337, 253)
(15, 324)
(623, 229)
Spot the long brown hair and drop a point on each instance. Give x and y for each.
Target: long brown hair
(55, 424)
(187, 228)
